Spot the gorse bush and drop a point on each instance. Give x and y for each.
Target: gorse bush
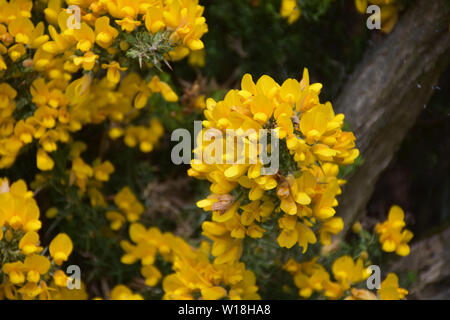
(86, 109)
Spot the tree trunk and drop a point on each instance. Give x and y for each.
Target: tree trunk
(386, 93)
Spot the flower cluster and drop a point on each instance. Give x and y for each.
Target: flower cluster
(129, 206)
(26, 272)
(391, 234)
(194, 275)
(311, 277)
(144, 136)
(64, 87)
(301, 195)
(388, 12)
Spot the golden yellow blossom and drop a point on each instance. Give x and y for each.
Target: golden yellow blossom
(61, 248)
(392, 236)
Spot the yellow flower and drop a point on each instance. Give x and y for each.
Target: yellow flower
(313, 123)
(390, 289)
(290, 10)
(7, 95)
(36, 265)
(115, 133)
(87, 61)
(330, 227)
(81, 172)
(361, 294)
(64, 293)
(347, 272)
(15, 271)
(30, 243)
(61, 248)
(5, 37)
(25, 131)
(51, 213)
(324, 207)
(332, 290)
(30, 290)
(44, 162)
(122, 292)
(104, 33)
(197, 58)
(3, 65)
(196, 275)
(21, 28)
(16, 51)
(148, 242)
(113, 73)
(154, 20)
(128, 24)
(76, 149)
(308, 284)
(156, 85)
(262, 108)
(213, 293)
(52, 11)
(60, 278)
(116, 219)
(127, 202)
(96, 197)
(85, 37)
(38, 38)
(361, 6)
(102, 171)
(19, 209)
(357, 227)
(309, 276)
(389, 17)
(151, 274)
(391, 234)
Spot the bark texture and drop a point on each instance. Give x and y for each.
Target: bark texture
(387, 91)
